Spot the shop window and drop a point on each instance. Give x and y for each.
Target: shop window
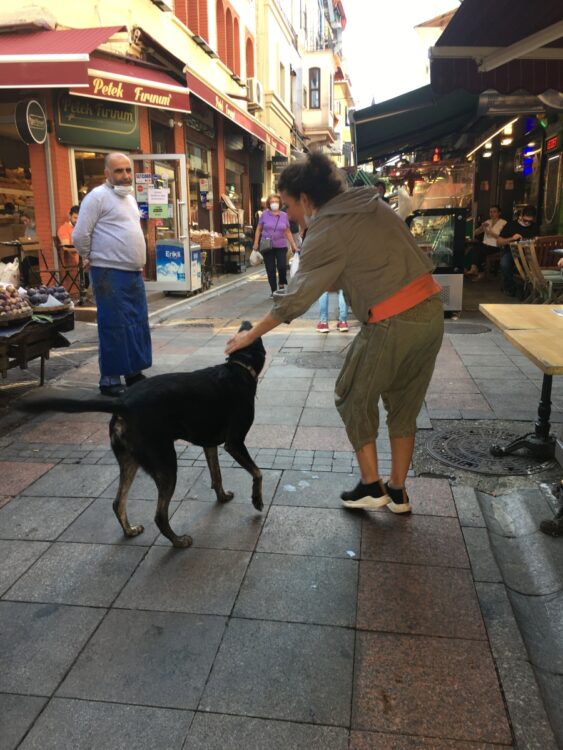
(89, 167)
(249, 58)
(314, 88)
(200, 176)
(162, 138)
(16, 190)
(234, 172)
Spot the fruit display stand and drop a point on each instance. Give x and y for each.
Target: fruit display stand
(24, 342)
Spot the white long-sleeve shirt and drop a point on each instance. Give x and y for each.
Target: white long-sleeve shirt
(108, 231)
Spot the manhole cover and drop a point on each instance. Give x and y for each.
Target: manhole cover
(469, 450)
(452, 326)
(317, 360)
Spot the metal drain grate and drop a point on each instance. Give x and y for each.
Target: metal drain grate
(457, 328)
(468, 449)
(318, 360)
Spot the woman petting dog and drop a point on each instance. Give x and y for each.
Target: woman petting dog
(356, 242)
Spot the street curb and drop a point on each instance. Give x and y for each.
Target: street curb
(529, 720)
(160, 315)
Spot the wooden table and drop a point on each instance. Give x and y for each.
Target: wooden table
(536, 331)
(35, 340)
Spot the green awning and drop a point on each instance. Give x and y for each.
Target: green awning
(410, 121)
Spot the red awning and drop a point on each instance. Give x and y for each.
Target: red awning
(49, 59)
(226, 107)
(479, 30)
(120, 81)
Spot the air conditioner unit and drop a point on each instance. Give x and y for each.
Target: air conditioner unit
(255, 94)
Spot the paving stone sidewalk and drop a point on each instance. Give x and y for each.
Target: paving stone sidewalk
(305, 626)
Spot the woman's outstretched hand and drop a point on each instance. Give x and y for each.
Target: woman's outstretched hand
(238, 341)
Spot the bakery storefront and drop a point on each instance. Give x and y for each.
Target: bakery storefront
(95, 103)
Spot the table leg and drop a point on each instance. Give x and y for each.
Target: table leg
(540, 443)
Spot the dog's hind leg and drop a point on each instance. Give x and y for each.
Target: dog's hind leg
(241, 455)
(163, 469)
(127, 470)
(212, 457)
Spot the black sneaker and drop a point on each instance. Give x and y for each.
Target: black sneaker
(398, 500)
(113, 391)
(132, 379)
(365, 496)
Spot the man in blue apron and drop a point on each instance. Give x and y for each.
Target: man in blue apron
(109, 238)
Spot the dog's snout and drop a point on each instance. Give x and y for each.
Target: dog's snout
(246, 325)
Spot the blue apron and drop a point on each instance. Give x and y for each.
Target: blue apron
(123, 323)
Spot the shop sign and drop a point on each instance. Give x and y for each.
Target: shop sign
(159, 207)
(31, 121)
(552, 143)
(238, 116)
(141, 92)
(199, 126)
(279, 163)
(82, 121)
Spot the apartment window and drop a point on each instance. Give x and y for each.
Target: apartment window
(249, 58)
(282, 81)
(221, 31)
(315, 88)
(230, 46)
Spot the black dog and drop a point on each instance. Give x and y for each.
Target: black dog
(208, 407)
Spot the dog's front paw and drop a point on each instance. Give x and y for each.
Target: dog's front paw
(134, 530)
(182, 541)
(258, 503)
(225, 497)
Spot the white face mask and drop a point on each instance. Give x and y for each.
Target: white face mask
(123, 190)
(274, 206)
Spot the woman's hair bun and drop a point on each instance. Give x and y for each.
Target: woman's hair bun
(317, 176)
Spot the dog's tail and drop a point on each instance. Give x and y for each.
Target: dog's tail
(70, 405)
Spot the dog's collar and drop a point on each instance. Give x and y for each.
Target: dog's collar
(250, 369)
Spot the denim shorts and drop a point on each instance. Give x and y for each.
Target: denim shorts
(393, 360)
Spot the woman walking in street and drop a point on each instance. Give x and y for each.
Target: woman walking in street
(355, 242)
(272, 236)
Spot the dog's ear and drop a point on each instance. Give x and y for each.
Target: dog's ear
(246, 325)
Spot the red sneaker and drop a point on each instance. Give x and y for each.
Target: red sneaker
(322, 327)
(342, 326)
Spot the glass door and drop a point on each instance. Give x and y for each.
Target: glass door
(161, 192)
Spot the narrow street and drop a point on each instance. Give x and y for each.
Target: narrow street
(305, 626)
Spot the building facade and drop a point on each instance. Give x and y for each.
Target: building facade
(224, 86)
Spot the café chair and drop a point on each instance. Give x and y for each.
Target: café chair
(69, 266)
(547, 283)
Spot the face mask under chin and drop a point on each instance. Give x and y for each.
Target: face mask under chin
(123, 190)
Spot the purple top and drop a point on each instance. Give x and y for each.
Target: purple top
(274, 227)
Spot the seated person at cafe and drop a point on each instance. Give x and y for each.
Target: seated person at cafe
(64, 232)
(490, 229)
(524, 228)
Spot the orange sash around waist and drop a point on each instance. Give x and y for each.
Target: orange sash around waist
(409, 296)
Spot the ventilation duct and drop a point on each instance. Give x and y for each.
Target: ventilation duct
(493, 104)
(552, 99)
